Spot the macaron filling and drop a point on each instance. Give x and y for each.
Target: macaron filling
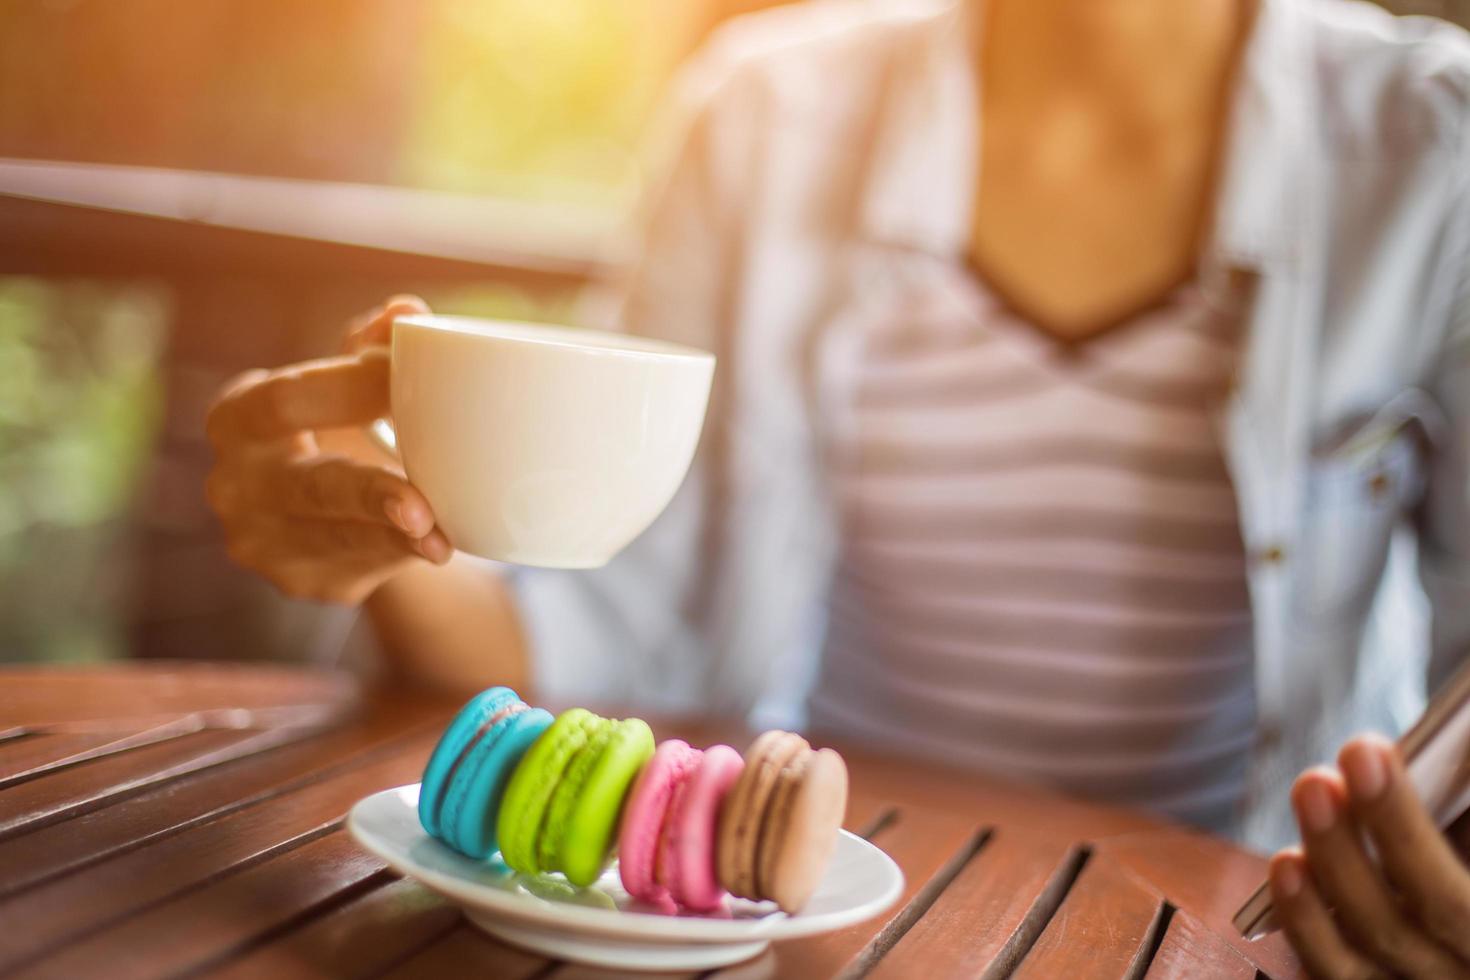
(745, 813)
(468, 725)
(644, 816)
(780, 825)
(776, 821)
(687, 849)
(472, 798)
(503, 714)
(528, 797)
(585, 847)
(568, 794)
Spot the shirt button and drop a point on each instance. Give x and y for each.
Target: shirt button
(1268, 736)
(1272, 554)
(1379, 485)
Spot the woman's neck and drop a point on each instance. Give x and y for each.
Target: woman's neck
(1102, 122)
(1152, 59)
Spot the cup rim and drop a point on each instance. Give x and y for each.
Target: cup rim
(583, 339)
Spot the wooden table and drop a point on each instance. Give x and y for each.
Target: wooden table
(188, 820)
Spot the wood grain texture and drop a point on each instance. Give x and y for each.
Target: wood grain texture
(77, 789)
(988, 800)
(360, 938)
(172, 807)
(42, 918)
(1190, 949)
(223, 916)
(467, 952)
(1101, 930)
(139, 695)
(25, 754)
(120, 737)
(921, 842)
(1206, 877)
(991, 913)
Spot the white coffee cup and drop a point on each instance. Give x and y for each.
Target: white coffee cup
(543, 445)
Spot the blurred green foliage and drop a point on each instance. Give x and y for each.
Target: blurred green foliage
(78, 399)
(79, 404)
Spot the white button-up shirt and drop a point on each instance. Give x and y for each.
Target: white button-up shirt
(1346, 190)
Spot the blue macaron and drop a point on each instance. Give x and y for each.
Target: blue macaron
(466, 728)
(471, 810)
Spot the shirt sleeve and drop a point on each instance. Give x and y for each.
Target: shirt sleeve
(1444, 545)
(635, 631)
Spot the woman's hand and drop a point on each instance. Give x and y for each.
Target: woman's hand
(1404, 913)
(330, 526)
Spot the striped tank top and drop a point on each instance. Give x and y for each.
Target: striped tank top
(1042, 573)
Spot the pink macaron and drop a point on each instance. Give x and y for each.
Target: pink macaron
(686, 860)
(643, 818)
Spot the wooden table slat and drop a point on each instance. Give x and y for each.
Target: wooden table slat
(91, 745)
(1190, 949)
(990, 801)
(27, 754)
(1208, 877)
(39, 919)
(921, 841)
(467, 952)
(140, 695)
(867, 814)
(93, 784)
(1102, 929)
(371, 933)
(991, 913)
(170, 808)
(222, 916)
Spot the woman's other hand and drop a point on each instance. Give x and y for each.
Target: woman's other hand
(321, 520)
(1405, 912)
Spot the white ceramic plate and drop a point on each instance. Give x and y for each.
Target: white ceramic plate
(601, 924)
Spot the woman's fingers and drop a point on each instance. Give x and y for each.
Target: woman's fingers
(294, 558)
(336, 488)
(1411, 849)
(330, 393)
(329, 561)
(375, 327)
(1309, 926)
(1350, 884)
(435, 546)
(310, 559)
(346, 541)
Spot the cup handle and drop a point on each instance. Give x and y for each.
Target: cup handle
(384, 436)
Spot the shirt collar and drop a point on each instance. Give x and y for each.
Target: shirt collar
(921, 178)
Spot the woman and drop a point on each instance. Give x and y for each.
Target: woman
(1073, 442)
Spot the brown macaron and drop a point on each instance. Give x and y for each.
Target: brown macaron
(779, 825)
(743, 810)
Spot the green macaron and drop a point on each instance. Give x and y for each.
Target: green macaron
(565, 797)
(582, 838)
(561, 809)
(528, 796)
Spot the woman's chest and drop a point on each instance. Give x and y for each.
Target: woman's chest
(951, 404)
